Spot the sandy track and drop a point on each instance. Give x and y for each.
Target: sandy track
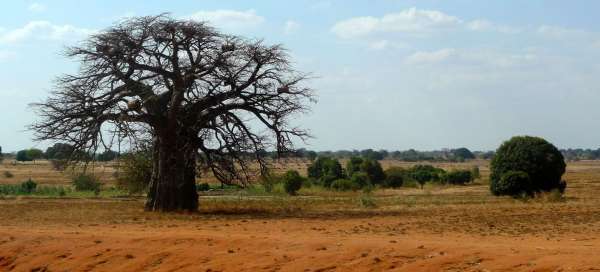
(283, 245)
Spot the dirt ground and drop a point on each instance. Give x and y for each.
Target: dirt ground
(439, 229)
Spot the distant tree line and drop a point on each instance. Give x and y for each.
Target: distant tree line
(411, 155)
(61, 151)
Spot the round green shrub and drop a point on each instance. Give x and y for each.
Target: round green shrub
(28, 186)
(457, 177)
(86, 182)
(514, 183)
(539, 159)
(373, 170)
(394, 177)
(343, 185)
(360, 179)
(292, 182)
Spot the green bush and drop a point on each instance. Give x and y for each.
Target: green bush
(86, 182)
(268, 181)
(324, 166)
(353, 165)
(514, 183)
(203, 187)
(344, 185)
(135, 172)
(28, 187)
(8, 174)
(292, 182)
(539, 159)
(394, 177)
(373, 170)
(425, 173)
(360, 180)
(457, 177)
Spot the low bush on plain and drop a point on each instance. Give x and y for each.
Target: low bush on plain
(458, 177)
(292, 182)
(28, 186)
(343, 185)
(86, 182)
(394, 177)
(361, 180)
(135, 172)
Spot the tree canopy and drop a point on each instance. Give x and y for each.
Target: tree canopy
(189, 88)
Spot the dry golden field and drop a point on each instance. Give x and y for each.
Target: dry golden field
(454, 228)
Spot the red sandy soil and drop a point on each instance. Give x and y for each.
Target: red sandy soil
(348, 244)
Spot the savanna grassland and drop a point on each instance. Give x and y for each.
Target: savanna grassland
(449, 228)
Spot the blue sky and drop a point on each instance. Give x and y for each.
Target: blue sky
(389, 74)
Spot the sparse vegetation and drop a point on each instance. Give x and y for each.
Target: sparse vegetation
(394, 177)
(135, 172)
(292, 182)
(86, 182)
(28, 186)
(325, 170)
(457, 177)
(344, 185)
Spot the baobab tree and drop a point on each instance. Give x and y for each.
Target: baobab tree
(203, 97)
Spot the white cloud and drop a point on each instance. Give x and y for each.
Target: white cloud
(43, 30)
(557, 32)
(37, 7)
(425, 57)
(290, 27)
(379, 45)
(479, 25)
(412, 20)
(229, 19)
(471, 57)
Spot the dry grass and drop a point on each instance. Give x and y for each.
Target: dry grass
(437, 209)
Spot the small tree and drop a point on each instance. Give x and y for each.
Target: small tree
(361, 179)
(353, 165)
(23, 156)
(394, 177)
(425, 173)
(292, 182)
(539, 159)
(35, 154)
(135, 172)
(325, 170)
(373, 170)
(463, 153)
(86, 182)
(1, 155)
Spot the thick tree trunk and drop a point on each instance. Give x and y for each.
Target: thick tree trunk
(173, 185)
